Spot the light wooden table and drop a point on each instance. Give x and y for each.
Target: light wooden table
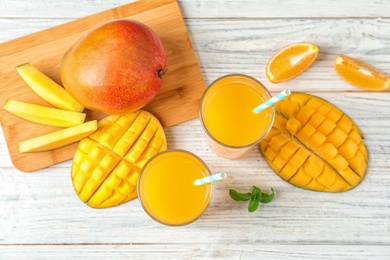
(42, 218)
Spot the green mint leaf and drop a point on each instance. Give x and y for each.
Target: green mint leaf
(256, 194)
(239, 196)
(253, 204)
(255, 197)
(266, 198)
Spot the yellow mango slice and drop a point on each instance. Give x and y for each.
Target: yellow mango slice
(315, 147)
(58, 138)
(47, 88)
(107, 163)
(44, 115)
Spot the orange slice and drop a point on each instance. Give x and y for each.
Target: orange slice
(291, 61)
(361, 74)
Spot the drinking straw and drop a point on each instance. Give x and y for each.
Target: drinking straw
(272, 101)
(211, 178)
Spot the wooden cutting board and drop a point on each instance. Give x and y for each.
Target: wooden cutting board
(177, 101)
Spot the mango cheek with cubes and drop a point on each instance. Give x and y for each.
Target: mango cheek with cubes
(106, 165)
(315, 146)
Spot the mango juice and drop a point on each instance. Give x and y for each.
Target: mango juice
(228, 117)
(166, 187)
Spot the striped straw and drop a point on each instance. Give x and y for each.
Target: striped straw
(211, 178)
(272, 101)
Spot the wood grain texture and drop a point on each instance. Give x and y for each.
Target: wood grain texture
(42, 217)
(207, 9)
(197, 251)
(176, 102)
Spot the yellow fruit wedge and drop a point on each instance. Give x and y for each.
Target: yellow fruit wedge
(314, 145)
(360, 74)
(107, 163)
(291, 61)
(44, 115)
(58, 139)
(47, 88)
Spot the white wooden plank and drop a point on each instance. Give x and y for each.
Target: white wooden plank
(56, 9)
(283, 8)
(205, 9)
(198, 251)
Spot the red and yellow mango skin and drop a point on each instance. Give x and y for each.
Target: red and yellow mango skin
(116, 68)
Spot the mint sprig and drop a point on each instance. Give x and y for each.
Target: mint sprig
(255, 197)
(239, 196)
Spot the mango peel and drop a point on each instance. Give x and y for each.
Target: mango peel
(314, 145)
(106, 165)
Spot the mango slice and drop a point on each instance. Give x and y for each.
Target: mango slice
(314, 145)
(107, 164)
(58, 138)
(47, 88)
(44, 115)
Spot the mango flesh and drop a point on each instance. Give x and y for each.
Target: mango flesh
(58, 138)
(47, 88)
(44, 115)
(314, 145)
(107, 164)
(116, 68)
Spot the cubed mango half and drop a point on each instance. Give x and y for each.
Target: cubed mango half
(317, 147)
(107, 163)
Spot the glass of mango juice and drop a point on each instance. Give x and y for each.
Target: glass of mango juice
(227, 115)
(167, 191)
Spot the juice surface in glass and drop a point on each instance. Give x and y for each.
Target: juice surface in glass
(227, 111)
(166, 187)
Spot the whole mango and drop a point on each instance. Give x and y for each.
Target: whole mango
(314, 145)
(107, 164)
(116, 68)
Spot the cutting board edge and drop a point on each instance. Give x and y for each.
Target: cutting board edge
(20, 166)
(121, 11)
